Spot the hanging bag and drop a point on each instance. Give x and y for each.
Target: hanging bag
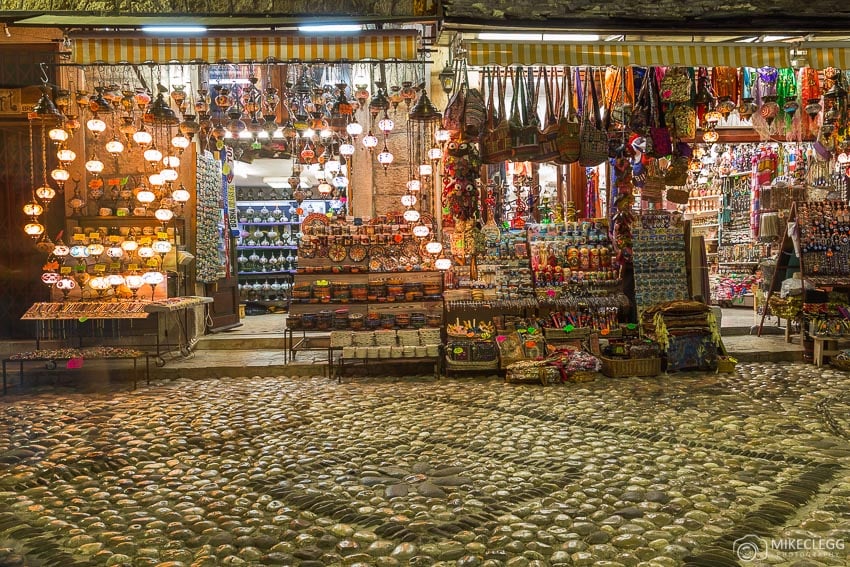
(496, 139)
(523, 128)
(653, 186)
(662, 145)
(475, 110)
(639, 121)
(593, 137)
(569, 146)
(548, 135)
(453, 119)
(676, 85)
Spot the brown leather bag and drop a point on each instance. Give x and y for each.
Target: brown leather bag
(496, 139)
(548, 135)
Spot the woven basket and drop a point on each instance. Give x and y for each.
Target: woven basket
(621, 368)
(340, 339)
(726, 364)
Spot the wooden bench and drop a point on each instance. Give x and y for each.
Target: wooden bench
(822, 347)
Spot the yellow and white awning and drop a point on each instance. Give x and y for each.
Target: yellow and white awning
(623, 54)
(398, 45)
(821, 56)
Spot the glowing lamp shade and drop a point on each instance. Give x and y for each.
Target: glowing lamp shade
(325, 188)
(66, 156)
(94, 165)
(134, 281)
(145, 196)
(411, 215)
(129, 245)
(425, 170)
(180, 142)
(354, 129)
(99, 284)
(142, 137)
(66, 284)
(115, 280)
(145, 252)
(326, 133)
(710, 136)
(340, 182)
(162, 247)
(435, 153)
(153, 278)
(115, 252)
(79, 251)
(370, 141)
(45, 193)
(443, 264)
(33, 209)
(332, 165)
(434, 248)
(114, 147)
(153, 155)
(156, 179)
(414, 185)
(96, 126)
(180, 195)
(421, 231)
(60, 175)
(171, 161)
(164, 215)
(346, 150)
(713, 117)
(61, 250)
(50, 278)
(58, 135)
(386, 125)
(385, 158)
(169, 174)
(442, 136)
(96, 249)
(408, 200)
(34, 229)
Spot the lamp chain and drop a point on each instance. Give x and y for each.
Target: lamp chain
(44, 154)
(32, 163)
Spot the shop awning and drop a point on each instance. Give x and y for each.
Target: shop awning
(398, 45)
(827, 55)
(622, 54)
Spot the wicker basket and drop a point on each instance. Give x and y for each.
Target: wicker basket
(622, 368)
(726, 364)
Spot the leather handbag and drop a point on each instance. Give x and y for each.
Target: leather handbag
(524, 129)
(568, 144)
(653, 186)
(547, 138)
(496, 139)
(593, 138)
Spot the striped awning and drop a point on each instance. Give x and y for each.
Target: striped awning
(623, 54)
(397, 45)
(827, 55)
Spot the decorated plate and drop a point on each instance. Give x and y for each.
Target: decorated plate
(358, 252)
(376, 264)
(307, 251)
(410, 248)
(337, 252)
(377, 252)
(314, 222)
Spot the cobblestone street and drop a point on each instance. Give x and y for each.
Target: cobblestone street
(284, 471)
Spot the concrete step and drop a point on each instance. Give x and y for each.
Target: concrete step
(267, 341)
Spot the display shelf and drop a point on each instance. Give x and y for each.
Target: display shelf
(703, 213)
(276, 273)
(124, 219)
(276, 223)
(704, 197)
(243, 246)
(744, 263)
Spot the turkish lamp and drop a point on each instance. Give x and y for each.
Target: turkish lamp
(385, 158)
(114, 147)
(414, 185)
(115, 251)
(434, 248)
(180, 195)
(61, 250)
(34, 229)
(94, 166)
(326, 134)
(60, 175)
(442, 136)
(171, 161)
(710, 136)
(162, 247)
(370, 141)
(95, 249)
(408, 200)
(180, 143)
(143, 138)
(156, 179)
(146, 196)
(65, 285)
(425, 170)
(153, 155)
(435, 153)
(96, 126)
(99, 284)
(79, 251)
(443, 264)
(33, 209)
(129, 245)
(50, 278)
(115, 280)
(58, 135)
(447, 79)
(325, 189)
(354, 129)
(340, 182)
(145, 252)
(713, 117)
(421, 231)
(169, 175)
(332, 165)
(164, 215)
(346, 150)
(386, 126)
(134, 282)
(66, 156)
(46, 194)
(153, 279)
(411, 215)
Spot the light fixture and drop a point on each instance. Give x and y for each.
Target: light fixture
(710, 136)
(386, 125)
(134, 282)
(153, 155)
(324, 188)
(156, 179)
(180, 142)
(146, 196)
(58, 135)
(408, 200)
(435, 153)
(447, 78)
(340, 182)
(115, 251)
(60, 249)
(421, 231)
(142, 137)
(330, 28)
(95, 249)
(129, 245)
(168, 174)
(33, 209)
(180, 195)
(434, 248)
(115, 280)
(34, 229)
(442, 136)
(99, 284)
(153, 279)
(414, 185)
(164, 215)
(96, 126)
(171, 161)
(370, 141)
(173, 29)
(65, 285)
(346, 150)
(411, 215)
(425, 170)
(114, 147)
(60, 175)
(162, 247)
(66, 156)
(46, 194)
(94, 166)
(443, 264)
(385, 158)
(79, 251)
(145, 252)
(354, 129)
(332, 165)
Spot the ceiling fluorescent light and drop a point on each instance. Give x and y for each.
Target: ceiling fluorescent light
(174, 29)
(770, 38)
(330, 28)
(496, 36)
(571, 37)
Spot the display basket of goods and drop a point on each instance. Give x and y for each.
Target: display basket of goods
(301, 291)
(469, 355)
(471, 329)
(726, 364)
(408, 337)
(293, 321)
(567, 332)
(356, 321)
(340, 320)
(430, 336)
(340, 339)
(787, 308)
(340, 291)
(364, 339)
(841, 361)
(625, 367)
(531, 371)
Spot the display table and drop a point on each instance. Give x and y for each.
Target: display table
(52, 319)
(341, 362)
(822, 347)
(52, 356)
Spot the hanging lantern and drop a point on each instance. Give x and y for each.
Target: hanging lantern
(163, 215)
(434, 248)
(408, 200)
(94, 166)
(414, 185)
(66, 156)
(115, 251)
(385, 158)
(34, 229)
(169, 175)
(180, 143)
(146, 196)
(33, 209)
(143, 138)
(354, 129)
(421, 231)
(370, 141)
(710, 136)
(443, 264)
(60, 249)
(134, 282)
(130, 245)
(386, 125)
(425, 170)
(340, 182)
(325, 189)
(442, 136)
(96, 249)
(411, 215)
(46, 194)
(114, 147)
(346, 150)
(152, 155)
(171, 161)
(162, 247)
(435, 153)
(96, 126)
(180, 195)
(58, 135)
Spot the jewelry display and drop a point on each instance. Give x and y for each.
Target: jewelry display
(659, 259)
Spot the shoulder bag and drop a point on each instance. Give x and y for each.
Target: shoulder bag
(568, 127)
(593, 138)
(496, 139)
(548, 135)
